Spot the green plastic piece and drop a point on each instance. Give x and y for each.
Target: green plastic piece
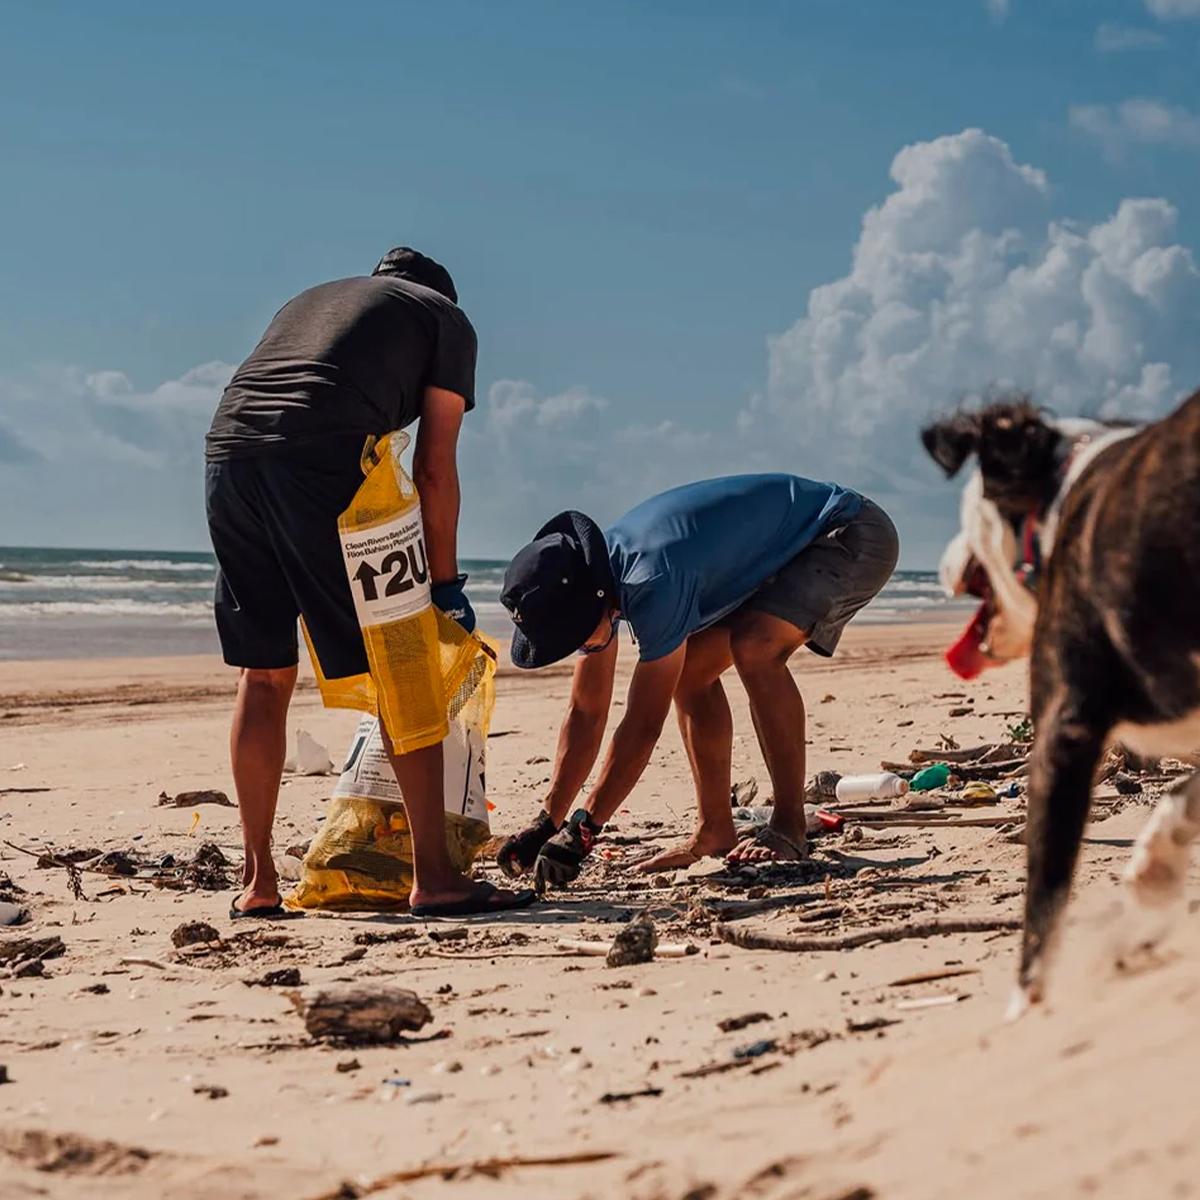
(931, 778)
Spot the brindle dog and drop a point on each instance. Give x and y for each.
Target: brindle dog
(1112, 623)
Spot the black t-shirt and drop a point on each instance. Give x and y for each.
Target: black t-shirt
(345, 358)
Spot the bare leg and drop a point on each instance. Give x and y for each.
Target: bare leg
(706, 725)
(422, 784)
(762, 645)
(257, 747)
(1065, 752)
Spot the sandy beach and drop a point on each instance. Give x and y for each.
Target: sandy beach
(138, 1071)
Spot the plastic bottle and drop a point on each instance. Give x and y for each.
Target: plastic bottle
(870, 787)
(931, 778)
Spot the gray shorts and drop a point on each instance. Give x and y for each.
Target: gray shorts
(832, 579)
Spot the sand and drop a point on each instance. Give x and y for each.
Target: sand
(1085, 1097)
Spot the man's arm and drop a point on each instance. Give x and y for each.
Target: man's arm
(435, 472)
(650, 694)
(582, 729)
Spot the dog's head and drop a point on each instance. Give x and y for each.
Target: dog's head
(1020, 454)
(1018, 448)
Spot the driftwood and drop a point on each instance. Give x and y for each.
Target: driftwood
(932, 822)
(748, 939)
(934, 976)
(18, 955)
(731, 910)
(360, 1013)
(490, 1168)
(602, 949)
(922, 757)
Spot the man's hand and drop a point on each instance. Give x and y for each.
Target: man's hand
(561, 858)
(520, 852)
(452, 600)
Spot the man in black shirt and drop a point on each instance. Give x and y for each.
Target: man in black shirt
(341, 362)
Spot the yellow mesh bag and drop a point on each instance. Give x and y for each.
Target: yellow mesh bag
(423, 664)
(362, 858)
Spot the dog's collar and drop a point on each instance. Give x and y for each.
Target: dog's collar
(1030, 569)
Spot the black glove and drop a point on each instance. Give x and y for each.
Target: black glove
(520, 852)
(561, 858)
(452, 600)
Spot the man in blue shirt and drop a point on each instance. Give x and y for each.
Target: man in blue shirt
(738, 572)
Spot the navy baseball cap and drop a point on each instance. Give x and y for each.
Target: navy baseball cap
(556, 590)
(407, 263)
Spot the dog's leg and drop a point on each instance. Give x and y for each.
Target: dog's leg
(1067, 746)
(1160, 857)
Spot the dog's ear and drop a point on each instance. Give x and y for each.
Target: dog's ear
(952, 441)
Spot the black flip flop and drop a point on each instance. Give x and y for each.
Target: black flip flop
(272, 912)
(483, 901)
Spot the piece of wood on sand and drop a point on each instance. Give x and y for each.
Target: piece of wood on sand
(358, 1014)
(750, 939)
(488, 1168)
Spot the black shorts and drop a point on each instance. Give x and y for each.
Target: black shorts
(832, 579)
(273, 523)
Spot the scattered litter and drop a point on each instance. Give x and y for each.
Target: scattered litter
(12, 914)
(347, 1065)
(289, 868)
(733, 1023)
(191, 933)
(942, 1001)
(488, 1168)
(634, 944)
(980, 792)
(191, 799)
(17, 954)
(853, 789)
(931, 927)
(309, 757)
(283, 977)
(743, 794)
(457, 933)
(931, 778)
(620, 1097)
(933, 976)
(359, 1013)
(369, 937)
(424, 1098)
(211, 1091)
(871, 1025)
(756, 1049)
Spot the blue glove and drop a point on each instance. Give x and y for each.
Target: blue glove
(452, 600)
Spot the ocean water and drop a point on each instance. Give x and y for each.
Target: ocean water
(114, 603)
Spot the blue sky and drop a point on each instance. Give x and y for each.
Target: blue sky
(657, 215)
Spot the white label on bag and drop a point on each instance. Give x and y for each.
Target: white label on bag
(388, 570)
(368, 772)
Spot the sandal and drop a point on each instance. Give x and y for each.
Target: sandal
(484, 899)
(772, 839)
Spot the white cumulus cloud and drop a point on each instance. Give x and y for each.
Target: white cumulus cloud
(89, 457)
(1116, 39)
(1169, 10)
(965, 277)
(1137, 122)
